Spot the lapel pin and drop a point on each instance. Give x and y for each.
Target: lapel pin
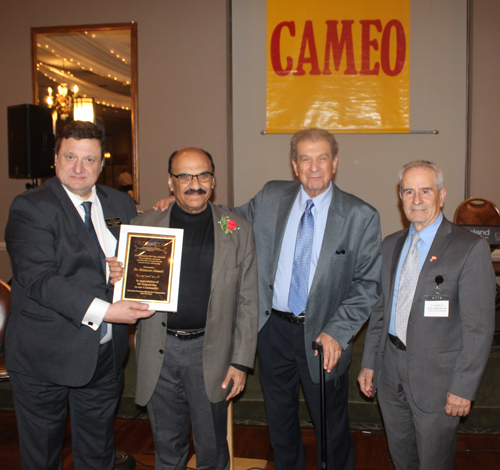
(433, 258)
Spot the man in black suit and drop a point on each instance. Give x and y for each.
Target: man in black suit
(64, 341)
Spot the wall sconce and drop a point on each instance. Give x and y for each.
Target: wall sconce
(83, 109)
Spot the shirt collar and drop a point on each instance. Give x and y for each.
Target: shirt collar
(77, 200)
(320, 202)
(428, 233)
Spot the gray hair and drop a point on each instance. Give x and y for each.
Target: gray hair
(426, 164)
(313, 134)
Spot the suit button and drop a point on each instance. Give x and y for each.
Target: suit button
(270, 286)
(267, 312)
(161, 351)
(163, 323)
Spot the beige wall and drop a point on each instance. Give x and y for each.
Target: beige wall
(183, 80)
(368, 163)
(183, 98)
(485, 104)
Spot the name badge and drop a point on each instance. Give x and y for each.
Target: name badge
(436, 306)
(113, 222)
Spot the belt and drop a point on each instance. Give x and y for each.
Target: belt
(186, 334)
(397, 342)
(290, 317)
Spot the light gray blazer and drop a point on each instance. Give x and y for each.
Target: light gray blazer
(446, 354)
(346, 284)
(231, 328)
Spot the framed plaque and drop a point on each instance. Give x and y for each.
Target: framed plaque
(151, 257)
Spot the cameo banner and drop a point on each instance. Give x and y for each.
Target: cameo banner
(151, 257)
(339, 65)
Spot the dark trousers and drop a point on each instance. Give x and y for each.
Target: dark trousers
(417, 440)
(283, 365)
(41, 410)
(179, 401)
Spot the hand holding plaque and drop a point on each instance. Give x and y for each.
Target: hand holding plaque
(151, 257)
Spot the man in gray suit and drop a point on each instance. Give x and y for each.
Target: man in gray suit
(429, 336)
(192, 362)
(324, 296)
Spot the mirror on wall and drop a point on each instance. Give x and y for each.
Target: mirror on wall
(92, 69)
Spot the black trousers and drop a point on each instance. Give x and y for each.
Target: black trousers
(41, 410)
(283, 365)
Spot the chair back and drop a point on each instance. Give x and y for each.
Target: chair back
(477, 211)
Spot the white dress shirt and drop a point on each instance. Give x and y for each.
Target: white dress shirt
(97, 309)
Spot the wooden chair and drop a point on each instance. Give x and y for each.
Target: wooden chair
(477, 211)
(4, 311)
(235, 463)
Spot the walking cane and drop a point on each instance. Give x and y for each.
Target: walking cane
(319, 347)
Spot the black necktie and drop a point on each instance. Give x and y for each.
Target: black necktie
(87, 206)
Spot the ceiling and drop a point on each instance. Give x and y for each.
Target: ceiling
(98, 62)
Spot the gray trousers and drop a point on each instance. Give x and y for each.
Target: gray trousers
(417, 440)
(179, 402)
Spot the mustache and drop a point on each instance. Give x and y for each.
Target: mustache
(195, 191)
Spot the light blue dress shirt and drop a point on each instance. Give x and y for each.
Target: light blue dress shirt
(285, 262)
(424, 245)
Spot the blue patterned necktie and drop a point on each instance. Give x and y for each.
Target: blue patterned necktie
(299, 286)
(87, 206)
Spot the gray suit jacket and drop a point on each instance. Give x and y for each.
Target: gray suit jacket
(231, 328)
(57, 273)
(447, 354)
(346, 284)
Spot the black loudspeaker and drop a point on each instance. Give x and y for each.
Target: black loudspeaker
(31, 141)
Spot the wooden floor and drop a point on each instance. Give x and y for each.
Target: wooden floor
(370, 449)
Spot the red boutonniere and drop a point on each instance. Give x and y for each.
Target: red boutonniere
(227, 225)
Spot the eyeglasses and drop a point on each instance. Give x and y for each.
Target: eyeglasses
(187, 178)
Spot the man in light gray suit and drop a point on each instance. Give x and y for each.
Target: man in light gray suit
(429, 336)
(338, 286)
(192, 362)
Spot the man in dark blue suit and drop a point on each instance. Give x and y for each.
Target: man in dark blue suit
(64, 341)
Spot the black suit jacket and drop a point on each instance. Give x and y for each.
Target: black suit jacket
(57, 273)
